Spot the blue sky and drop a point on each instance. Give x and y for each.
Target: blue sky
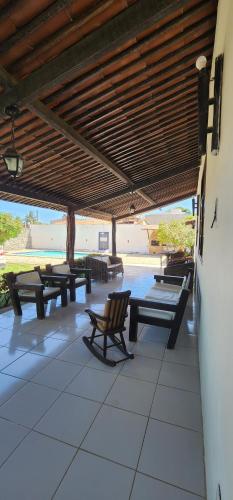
(45, 215)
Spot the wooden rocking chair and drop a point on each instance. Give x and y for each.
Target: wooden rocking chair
(110, 324)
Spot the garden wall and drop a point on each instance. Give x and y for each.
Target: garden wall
(20, 242)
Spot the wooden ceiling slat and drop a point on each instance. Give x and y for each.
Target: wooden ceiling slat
(100, 73)
(135, 105)
(128, 24)
(184, 195)
(35, 23)
(171, 174)
(153, 73)
(143, 118)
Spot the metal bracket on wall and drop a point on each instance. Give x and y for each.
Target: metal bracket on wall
(219, 494)
(215, 213)
(204, 102)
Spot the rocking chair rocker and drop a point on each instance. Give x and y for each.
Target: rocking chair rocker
(110, 324)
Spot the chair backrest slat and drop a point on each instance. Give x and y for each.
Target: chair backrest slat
(117, 309)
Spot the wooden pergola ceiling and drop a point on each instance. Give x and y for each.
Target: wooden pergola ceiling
(108, 98)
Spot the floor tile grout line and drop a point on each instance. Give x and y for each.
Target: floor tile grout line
(64, 391)
(181, 364)
(30, 431)
(75, 455)
(148, 419)
(20, 442)
(8, 399)
(104, 402)
(43, 355)
(176, 425)
(12, 361)
(142, 473)
(179, 388)
(26, 379)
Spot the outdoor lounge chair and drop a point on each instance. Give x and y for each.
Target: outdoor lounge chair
(32, 286)
(103, 266)
(164, 306)
(181, 269)
(110, 324)
(76, 277)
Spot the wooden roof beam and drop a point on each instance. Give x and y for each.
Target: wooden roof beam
(42, 196)
(57, 123)
(72, 135)
(170, 174)
(98, 214)
(145, 196)
(39, 195)
(126, 25)
(159, 205)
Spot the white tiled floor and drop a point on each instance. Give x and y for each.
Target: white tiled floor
(72, 428)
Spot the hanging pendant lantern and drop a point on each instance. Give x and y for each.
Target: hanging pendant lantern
(13, 161)
(132, 206)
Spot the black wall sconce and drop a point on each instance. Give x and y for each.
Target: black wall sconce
(204, 102)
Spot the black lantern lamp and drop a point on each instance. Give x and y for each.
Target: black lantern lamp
(132, 206)
(13, 160)
(132, 209)
(204, 102)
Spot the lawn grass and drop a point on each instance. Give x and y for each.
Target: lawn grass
(15, 268)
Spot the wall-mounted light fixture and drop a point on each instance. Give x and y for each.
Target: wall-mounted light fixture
(204, 102)
(13, 161)
(194, 206)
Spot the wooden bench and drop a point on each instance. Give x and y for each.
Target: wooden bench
(163, 306)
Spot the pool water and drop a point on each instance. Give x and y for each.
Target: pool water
(50, 253)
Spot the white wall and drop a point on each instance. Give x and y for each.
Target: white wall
(48, 236)
(87, 236)
(216, 282)
(131, 238)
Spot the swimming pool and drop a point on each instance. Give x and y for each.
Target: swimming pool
(49, 253)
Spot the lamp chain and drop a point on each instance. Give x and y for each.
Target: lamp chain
(13, 131)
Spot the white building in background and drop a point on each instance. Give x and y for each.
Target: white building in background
(94, 235)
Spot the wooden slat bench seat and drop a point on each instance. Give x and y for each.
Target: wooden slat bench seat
(164, 306)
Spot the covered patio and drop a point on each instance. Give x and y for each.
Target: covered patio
(71, 427)
(107, 93)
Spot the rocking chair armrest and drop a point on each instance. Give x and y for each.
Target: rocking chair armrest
(94, 316)
(152, 304)
(166, 278)
(36, 287)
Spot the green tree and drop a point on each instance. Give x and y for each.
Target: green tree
(177, 234)
(10, 227)
(182, 209)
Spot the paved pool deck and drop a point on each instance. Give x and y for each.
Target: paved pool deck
(128, 259)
